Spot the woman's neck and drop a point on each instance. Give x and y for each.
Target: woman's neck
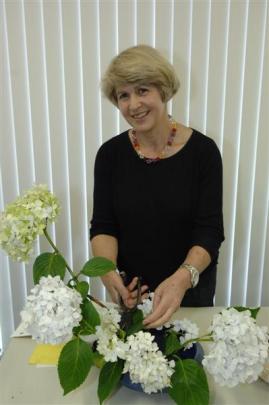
(156, 138)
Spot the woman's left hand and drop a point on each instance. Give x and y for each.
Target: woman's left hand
(167, 298)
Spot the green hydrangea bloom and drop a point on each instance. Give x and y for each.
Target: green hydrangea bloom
(25, 219)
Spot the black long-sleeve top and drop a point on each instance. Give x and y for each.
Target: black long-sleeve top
(158, 211)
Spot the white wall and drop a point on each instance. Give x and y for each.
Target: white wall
(53, 118)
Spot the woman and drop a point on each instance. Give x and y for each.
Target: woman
(157, 194)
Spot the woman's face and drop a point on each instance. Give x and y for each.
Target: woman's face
(141, 106)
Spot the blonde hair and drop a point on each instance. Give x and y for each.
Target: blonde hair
(140, 64)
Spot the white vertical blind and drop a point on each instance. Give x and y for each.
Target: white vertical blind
(6, 301)
(53, 118)
(238, 13)
(254, 49)
(182, 59)
(90, 41)
(57, 126)
(108, 49)
(146, 22)
(12, 276)
(217, 69)
(257, 289)
(199, 62)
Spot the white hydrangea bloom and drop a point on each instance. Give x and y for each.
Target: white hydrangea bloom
(146, 306)
(186, 330)
(52, 310)
(41, 202)
(108, 343)
(111, 347)
(25, 219)
(146, 364)
(110, 319)
(239, 350)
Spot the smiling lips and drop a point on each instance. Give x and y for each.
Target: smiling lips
(140, 115)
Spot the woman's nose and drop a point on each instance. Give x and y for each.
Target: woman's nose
(135, 102)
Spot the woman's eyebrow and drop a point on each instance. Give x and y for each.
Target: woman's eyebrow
(120, 91)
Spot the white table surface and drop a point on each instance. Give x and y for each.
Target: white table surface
(21, 383)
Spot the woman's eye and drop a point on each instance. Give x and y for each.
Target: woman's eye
(122, 96)
(142, 90)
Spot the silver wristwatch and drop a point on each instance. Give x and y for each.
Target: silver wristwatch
(194, 273)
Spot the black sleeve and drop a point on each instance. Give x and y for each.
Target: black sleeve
(103, 219)
(208, 223)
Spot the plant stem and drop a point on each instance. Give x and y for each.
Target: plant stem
(74, 276)
(56, 250)
(204, 338)
(96, 301)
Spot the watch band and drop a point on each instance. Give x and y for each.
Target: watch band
(194, 273)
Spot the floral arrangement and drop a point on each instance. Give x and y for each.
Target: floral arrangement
(64, 312)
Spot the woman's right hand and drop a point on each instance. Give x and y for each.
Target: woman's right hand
(114, 284)
(116, 288)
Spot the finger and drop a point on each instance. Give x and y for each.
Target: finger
(156, 301)
(144, 288)
(131, 302)
(132, 284)
(160, 321)
(123, 291)
(156, 314)
(133, 294)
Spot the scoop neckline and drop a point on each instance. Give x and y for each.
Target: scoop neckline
(180, 151)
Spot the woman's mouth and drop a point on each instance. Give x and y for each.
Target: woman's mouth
(140, 115)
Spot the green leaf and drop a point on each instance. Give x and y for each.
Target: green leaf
(97, 266)
(172, 343)
(189, 384)
(74, 364)
(254, 311)
(82, 287)
(109, 378)
(90, 319)
(136, 322)
(48, 264)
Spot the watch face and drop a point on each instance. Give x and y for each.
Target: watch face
(194, 274)
(195, 279)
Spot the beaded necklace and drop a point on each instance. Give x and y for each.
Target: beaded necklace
(163, 152)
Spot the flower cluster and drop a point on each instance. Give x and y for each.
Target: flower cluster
(26, 218)
(108, 343)
(239, 349)
(146, 306)
(52, 310)
(146, 363)
(186, 330)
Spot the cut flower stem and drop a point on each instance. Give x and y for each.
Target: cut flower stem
(74, 276)
(56, 250)
(205, 338)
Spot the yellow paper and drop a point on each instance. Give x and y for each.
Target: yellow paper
(46, 354)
